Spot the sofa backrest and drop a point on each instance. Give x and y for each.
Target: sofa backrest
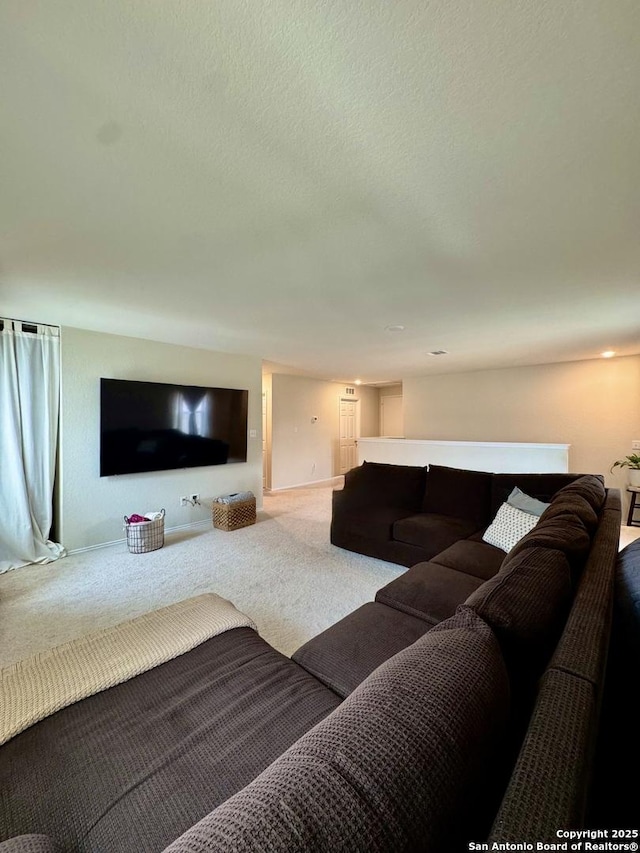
(526, 604)
(478, 495)
(400, 486)
(583, 498)
(527, 601)
(569, 522)
(540, 486)
(458, 493)
(399, 765)
(549, 787)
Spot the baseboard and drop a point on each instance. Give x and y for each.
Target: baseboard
(193, 525)
(335, 480)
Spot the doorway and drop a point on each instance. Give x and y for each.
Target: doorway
(348, 435)
(391, 420)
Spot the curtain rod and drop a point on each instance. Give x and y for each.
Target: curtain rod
(4, 320)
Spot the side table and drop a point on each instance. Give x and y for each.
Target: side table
(634, 491)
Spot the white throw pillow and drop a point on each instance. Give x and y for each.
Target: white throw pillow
(509, 526)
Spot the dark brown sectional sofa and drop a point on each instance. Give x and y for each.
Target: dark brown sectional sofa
(408, 514)
(462, 704)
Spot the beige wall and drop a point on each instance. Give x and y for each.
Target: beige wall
(395, 421)
(592, 405)
(391, 390)
(91, 508)
(369, 410)
(267, 390)
(303, 451)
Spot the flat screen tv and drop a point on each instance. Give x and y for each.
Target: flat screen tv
(151, 426)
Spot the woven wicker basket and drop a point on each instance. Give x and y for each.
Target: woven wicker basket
(145, 536)
(235, 515)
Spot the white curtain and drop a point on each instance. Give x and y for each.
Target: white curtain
(29, 403)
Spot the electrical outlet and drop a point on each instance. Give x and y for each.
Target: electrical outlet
(190, 500)
(635, 444)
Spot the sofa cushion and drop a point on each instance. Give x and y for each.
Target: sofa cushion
(590, 487)
(508, 527)
(477, 536)
(540, 486)
(394, 485)
(399, 765)
(347, 652)
(432, 532)
(375, 523)
(429, 591)
(564, 533)
(572, 504)
(526, 604)
(131, 768)
(458, 493)
(474, 557)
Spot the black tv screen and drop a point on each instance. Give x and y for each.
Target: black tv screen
(151, 426)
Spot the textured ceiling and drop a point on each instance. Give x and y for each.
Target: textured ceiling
(288, 178)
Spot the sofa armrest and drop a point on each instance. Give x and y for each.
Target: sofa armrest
(549, 784)
(345, 500)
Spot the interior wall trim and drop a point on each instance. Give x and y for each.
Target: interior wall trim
(193, 525)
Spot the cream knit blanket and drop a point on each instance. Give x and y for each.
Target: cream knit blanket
(43, 684)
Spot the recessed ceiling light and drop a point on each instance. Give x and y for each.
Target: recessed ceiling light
(357, 382)
(395, 328)
(438, 352)
(609, 353)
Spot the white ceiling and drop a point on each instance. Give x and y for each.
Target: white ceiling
(286, 178)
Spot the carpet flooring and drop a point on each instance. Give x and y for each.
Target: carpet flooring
(282, 571)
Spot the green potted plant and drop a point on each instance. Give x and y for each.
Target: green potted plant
(632, 462)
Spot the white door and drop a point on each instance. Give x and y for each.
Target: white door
(348, 435)
(391, 421)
